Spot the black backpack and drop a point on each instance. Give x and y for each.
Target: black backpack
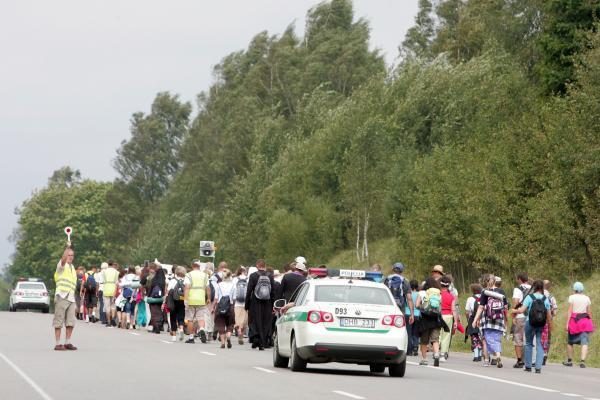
(262, 290)
(178, 290)
(537, 312)
(224, 306)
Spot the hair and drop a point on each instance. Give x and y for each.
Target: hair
(223, 265)
(226, 274)
(131, 270)
(160, 278)
(488, 281)
(376, 267)
(270, 271)
(414, 284)
(287, 267)
(523, 277)
(537, 286)
(180, 271)
(476, 288)
(121, 273)
(260, 262)
(241, 270)
(153, 265)
(547, 284)
(431, 282)
(497, 283)
(445, 282)
(138, 270)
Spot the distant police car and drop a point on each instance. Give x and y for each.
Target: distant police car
(29, 294)
(345, 320)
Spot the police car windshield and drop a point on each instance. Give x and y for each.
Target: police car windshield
(352, 294)
(38, 286)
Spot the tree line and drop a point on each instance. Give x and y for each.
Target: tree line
(479, 150)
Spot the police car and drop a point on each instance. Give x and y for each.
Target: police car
(29, 294)
(346, 317)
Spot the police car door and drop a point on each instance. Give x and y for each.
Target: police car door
(291, 318)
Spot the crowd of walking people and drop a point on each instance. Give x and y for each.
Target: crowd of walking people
(213, 304)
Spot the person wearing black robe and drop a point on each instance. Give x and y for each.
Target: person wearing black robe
(260, 312)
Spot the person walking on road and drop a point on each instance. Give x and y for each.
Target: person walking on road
(518, 326)
(99, 278)
(90, 294)
(241, 315)
(65, 278)
(547, 333)
(579, 324)
(110, 278)
(491, 317)
(224, 310)
(175, 296)
(412, 328)
(449, 315)
(429, 303)
(196, 299)
(259, 304)
(473, 332)
(537, 308)
(292, 280)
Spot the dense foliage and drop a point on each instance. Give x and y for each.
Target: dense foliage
(480, 150)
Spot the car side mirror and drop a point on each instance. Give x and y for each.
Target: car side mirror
(279, 304)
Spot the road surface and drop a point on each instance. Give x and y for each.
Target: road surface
(138, 364)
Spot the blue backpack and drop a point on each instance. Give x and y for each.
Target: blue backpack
(396, 285)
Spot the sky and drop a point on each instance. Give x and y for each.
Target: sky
(73, 72)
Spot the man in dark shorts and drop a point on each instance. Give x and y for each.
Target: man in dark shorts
(90, 294)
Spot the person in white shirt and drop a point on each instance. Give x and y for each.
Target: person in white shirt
(224, 313)
(579, 324)
(518, 328)
(240, 284)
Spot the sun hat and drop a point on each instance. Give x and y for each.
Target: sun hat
(104, 265)
(439, 269)
(301, 260)
(578, 287)
(300, 266)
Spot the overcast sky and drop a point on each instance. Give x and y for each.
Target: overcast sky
(73, 72)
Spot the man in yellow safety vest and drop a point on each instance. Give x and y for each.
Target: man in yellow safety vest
(65, 278)
(110, 278)
(196, 296)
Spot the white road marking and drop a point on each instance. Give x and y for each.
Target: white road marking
(590, 398)
(207, 353)
(166, 342)
(489, 378)
(264, 370)
(571, 394)
(27, 379)
(352, 396)
(134, 334)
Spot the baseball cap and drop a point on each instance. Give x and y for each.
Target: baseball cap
(498, 279)
(399, 267)
(578, 287)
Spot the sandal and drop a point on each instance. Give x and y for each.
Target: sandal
(59, 347)
(70, 347)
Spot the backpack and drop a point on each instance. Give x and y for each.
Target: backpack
(262, 290)
(396, 285)
(224, 305)
(431, 306)
(178, 290)
(127, 292)
(537, 312)
(240, 290)
(494, 309)
(78, 285)
(90, 283)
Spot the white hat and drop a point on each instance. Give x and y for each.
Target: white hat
(300, 259)
(300, 266)
(104, 265)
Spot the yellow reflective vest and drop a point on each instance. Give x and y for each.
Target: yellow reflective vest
(110, 277)
(197, 293)
(66, 281)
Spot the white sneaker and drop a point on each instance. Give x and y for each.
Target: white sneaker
(150, 328)
(173, 338)
(443, 359)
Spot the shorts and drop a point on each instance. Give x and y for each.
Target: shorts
(431, 335)
(582, 338)
(64, 313)
(91, 300)
(109, 304)
(519, 331)
(241, 317)
(195, 313)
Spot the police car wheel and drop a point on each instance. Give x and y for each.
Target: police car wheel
(12, 309)
(377, 368)
(45, 310)
(397, 370)
(298, 364)
(278, 360)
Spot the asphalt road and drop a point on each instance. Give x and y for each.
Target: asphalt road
(121, 363)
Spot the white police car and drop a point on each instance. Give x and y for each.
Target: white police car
(342, 320)
(29, 294)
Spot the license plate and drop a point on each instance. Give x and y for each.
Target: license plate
(357, 323)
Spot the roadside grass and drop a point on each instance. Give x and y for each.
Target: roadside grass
(558, 347)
